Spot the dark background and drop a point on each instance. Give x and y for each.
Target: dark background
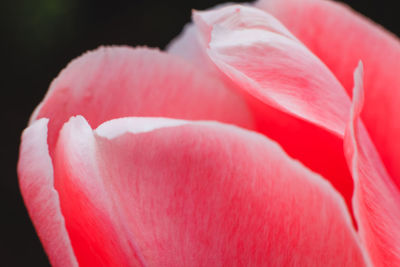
(39, 37)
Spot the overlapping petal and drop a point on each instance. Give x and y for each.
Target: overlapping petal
(376, 198)
(164, 192)
(340, 38)
(35, 172)
(260, 55)
(117, 82)
(294, 98)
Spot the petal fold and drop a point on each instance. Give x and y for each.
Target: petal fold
(163, 192)
(376, 198)
(35, 172)
(261, 56)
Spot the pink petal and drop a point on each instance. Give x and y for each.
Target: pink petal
(162, 192)
(191, 47)
(376, 197)
(120, 81)
(189, 44)
(267, 61)
(341, 38)
(295, 99)
(35, 172)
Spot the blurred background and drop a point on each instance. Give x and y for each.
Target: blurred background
(38, 39)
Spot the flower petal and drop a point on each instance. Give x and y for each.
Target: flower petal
(167, 192)
(260, 55)
(120, 81)
(189, 46)
(376, 197)
(294, 98)
(35, 172)
(341, 38)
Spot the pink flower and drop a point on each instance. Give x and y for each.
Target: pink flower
(240, 146)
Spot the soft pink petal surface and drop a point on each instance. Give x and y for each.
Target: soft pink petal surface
(35, 172)
(160, 192)
(190, 46)
(341, 38)
(294, 98)
(117, 82)
(260, 55)
(376, 198)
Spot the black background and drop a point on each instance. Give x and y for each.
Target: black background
(38, 38)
